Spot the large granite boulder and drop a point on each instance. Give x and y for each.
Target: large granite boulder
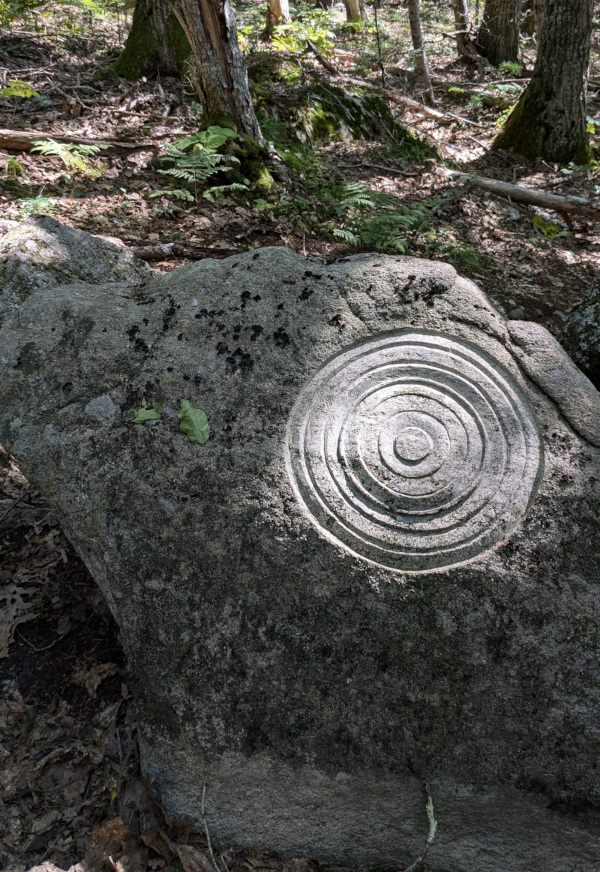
(376, 581)
(43, 253)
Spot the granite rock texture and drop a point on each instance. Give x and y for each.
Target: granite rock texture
(378, 578)
(42, 253)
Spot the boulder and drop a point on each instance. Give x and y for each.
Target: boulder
(42, 253)
(374, 583)
(582, 333)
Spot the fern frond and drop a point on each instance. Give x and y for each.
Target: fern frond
(177, 193)
(218, 190)
(346, 236)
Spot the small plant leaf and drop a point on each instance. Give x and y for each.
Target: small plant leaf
(18, 88)
(147, 413)
(193, 422)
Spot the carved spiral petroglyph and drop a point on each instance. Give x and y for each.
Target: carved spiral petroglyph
(415, 451)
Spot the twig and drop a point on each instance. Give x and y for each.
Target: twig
(478, 141)
(12, 505)
(32, 646)
(323, 61)
(391, 170)
(379, 56)
(206, 833)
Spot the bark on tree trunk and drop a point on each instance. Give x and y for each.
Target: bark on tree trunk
(220, 76)
(421, 65)
(278, 12)
(352, 10)
(498, 37)
(538, 12)
(549, 121)
(461, 27)
(156, 42)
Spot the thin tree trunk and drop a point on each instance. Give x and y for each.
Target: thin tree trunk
(461, 27)
(421, 65)
(498, 37)
(156, 42)
(278, 12)
(352, 10)
(549, 121)
(220, 76)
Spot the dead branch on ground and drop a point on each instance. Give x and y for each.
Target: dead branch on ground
(561, 204)
(23, 140)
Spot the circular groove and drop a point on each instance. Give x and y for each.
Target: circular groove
(414, 451)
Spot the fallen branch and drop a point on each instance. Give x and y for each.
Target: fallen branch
(23, 140)
(396, 97)
(563, 205)
(323, 61)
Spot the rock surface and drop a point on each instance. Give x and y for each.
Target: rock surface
(544, 361)
(378, 577)
(42, 253)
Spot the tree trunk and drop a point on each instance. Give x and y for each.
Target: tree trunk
(461, 27)
(352, 10)
(156, 42)
(421, 65)
(549, 121)
(498, 37)
(220, 75)
(538, 14)
(278, 12)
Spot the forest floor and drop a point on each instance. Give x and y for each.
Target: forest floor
(70, 785)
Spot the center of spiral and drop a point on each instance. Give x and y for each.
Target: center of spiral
(413, 445)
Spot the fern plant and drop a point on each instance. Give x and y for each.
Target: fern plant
(75, 158)
(379, 220)
(195, 159)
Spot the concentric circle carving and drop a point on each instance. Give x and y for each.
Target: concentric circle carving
(415, 451)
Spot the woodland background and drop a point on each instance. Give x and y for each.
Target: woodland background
(354, 139)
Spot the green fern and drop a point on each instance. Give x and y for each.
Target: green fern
(195, 159)
(176, 193)
(196, 167)
(217, 191)
(75, 157)
(359, 195)
(378, 220)
(346, 236)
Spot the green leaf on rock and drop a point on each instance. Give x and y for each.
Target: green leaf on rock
(147, 413)
(193, 422)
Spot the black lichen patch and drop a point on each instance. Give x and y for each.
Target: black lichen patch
(78, 332)
(29, 358)
(281, 338)
(169, 313)
(139, 343)
(240, 361)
